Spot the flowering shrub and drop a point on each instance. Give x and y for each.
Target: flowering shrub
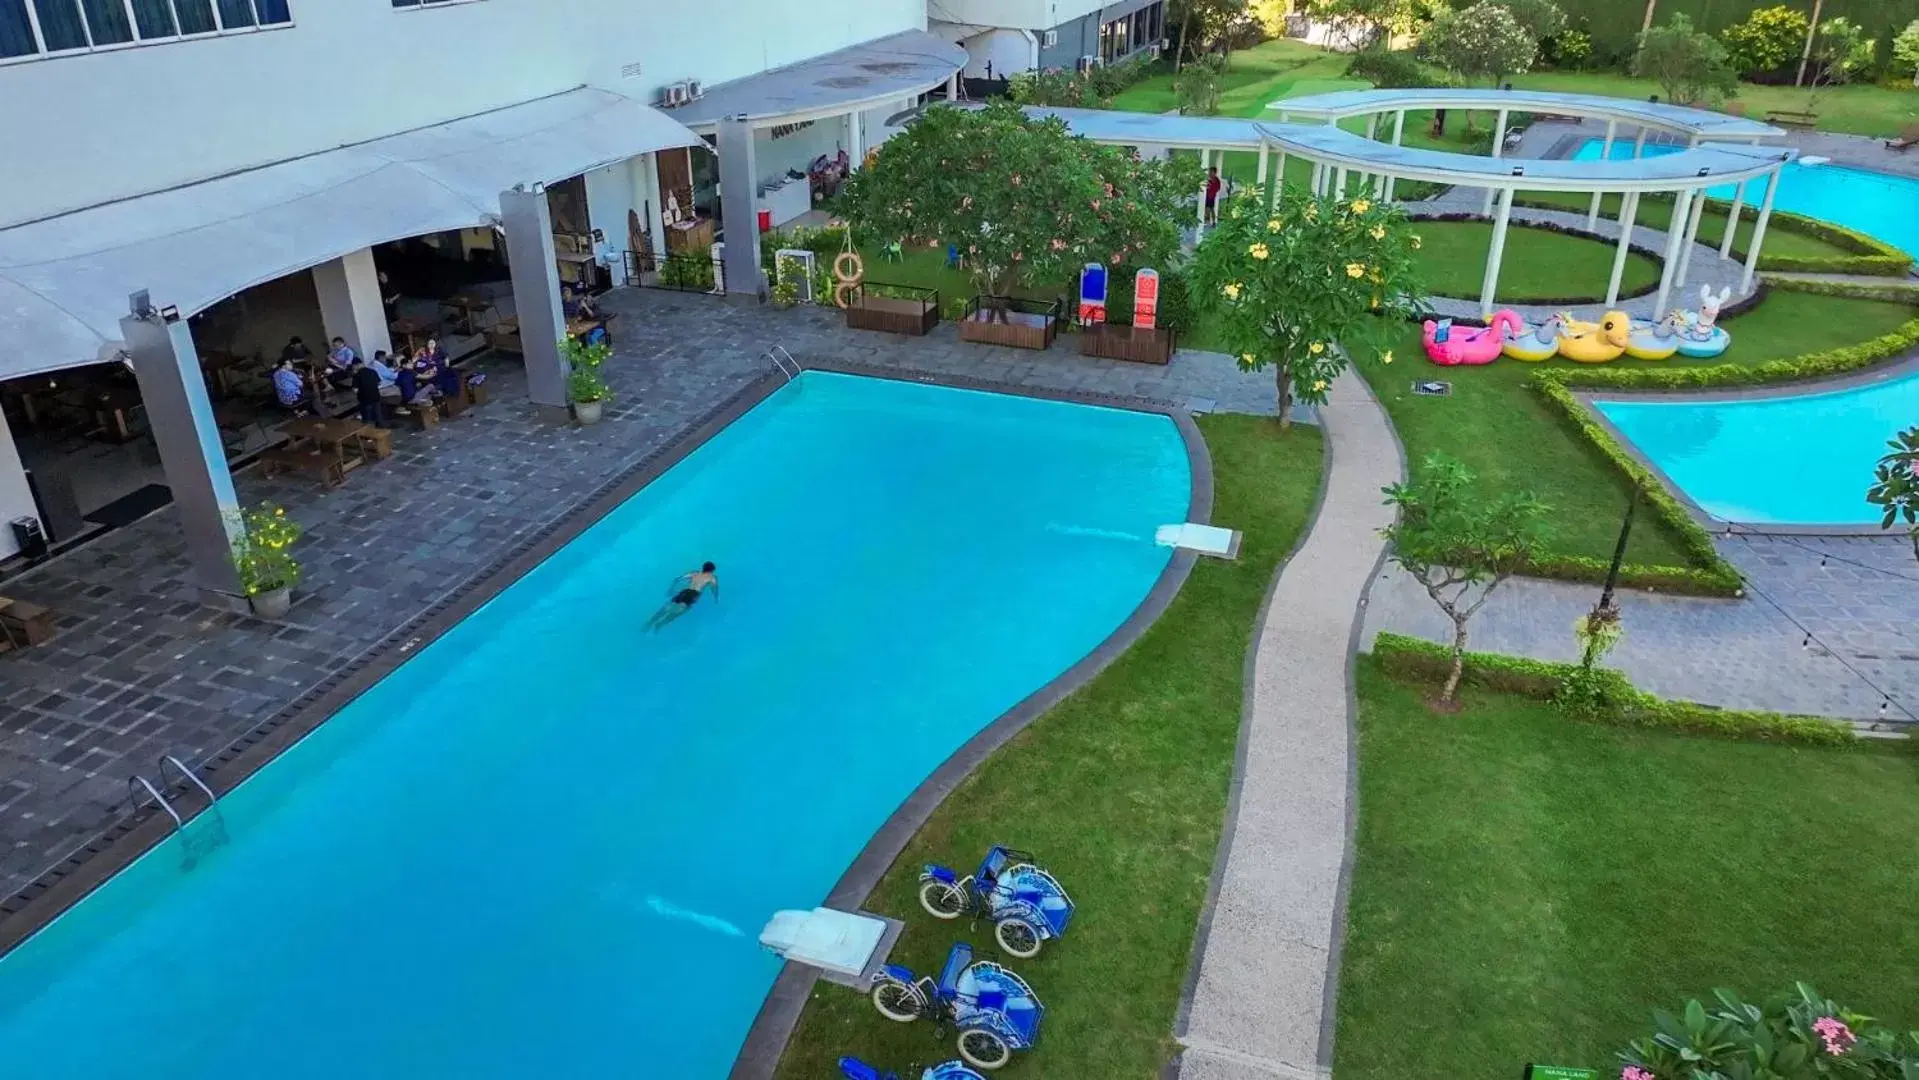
(1302, 287)
(1482, 41)
(262, 549)
(1022, 199)
(1794, 1036)
(1768, 40)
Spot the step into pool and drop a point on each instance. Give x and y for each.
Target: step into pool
(544, 846)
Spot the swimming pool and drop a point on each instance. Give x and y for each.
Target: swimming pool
(1878, 204)
(1801, 460)
(546, 844)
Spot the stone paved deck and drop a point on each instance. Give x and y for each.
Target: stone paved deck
(139, 669)
(1261, 1004)
(1858, 598)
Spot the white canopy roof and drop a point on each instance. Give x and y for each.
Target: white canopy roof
(1707, 125)
(64, 280)
(862, 76)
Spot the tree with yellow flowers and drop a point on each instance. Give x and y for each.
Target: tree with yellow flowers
(1305, 285)
(262, 549)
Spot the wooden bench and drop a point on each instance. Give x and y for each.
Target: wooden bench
(323, 465)
(376, 443)
(1788, 118)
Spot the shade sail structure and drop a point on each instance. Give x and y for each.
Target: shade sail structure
(64, 281)
(1707, 125)
(1157, 129)
(858, 77)
(1704, 166)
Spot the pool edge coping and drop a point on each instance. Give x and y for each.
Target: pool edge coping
(1898, 368)
(779, 1014)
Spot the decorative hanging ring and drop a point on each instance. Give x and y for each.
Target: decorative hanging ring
(848, 267)
(843, 294)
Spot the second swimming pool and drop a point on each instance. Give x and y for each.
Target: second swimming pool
(545, 845)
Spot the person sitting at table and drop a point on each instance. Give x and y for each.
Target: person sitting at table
(296, 350)
(366, 389)
(406, 377)
(579, 305)
(382, 365)
(289, 387)
(340, 360)
(436, 369)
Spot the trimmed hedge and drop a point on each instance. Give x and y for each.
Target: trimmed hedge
(1416, 659)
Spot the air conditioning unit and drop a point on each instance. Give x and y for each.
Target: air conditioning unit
(694, 91)
(1087, 63)
(1152, 51)
(674, 94)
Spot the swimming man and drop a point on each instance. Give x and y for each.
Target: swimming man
(693, 584)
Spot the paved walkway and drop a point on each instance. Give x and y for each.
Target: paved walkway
(1830, 627)
(139, 668)
(1261, 1001)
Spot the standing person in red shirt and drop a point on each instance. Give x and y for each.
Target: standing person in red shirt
(1212, 195)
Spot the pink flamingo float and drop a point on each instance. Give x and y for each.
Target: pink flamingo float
(1449, 346)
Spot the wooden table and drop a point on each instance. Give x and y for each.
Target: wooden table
(411, 327)
(335, 435)
(466, 307)
(220, 368)
(509, 328)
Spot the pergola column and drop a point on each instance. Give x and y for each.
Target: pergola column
(1628, 214)
(1374, 180)
(1205, 162)
(527, 221)
(1732, 219)
(745, 281)
(180, 416)
(1319, 174)
(1339, 183)
(1692, 234)
(1499, 151)
(1639, 145)
(1279, 181)
(855, 140)
(1497, 253)
(1399, 130)
(1605, 154)
(1259, 176)
(1759, 232)
(351, 306)
(1675, 235)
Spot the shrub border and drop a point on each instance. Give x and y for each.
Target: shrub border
(1410, 658)
(1872, 257)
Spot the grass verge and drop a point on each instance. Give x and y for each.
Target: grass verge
(1540, 265)
(1121, 789)
(1564, 879)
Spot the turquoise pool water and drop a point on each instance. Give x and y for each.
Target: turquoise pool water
(1803, 460)
(1878, 204)
(546, 845)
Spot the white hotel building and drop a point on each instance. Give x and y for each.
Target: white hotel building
(238, 157)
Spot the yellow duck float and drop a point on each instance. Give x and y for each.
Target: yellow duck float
(1594, 343)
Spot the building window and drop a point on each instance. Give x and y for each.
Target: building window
(1050, 40)
(425, 3)
(31, 28)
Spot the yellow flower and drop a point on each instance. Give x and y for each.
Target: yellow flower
(1231, 290)
(1311, 213)
(1379, 232)
(1355, 270)
(1316, 348)
(1319, 386)
(1258, 251)
(1273, 224)
(1386, 357)
(1415, 241)
(1360, 206)
(1248, 359)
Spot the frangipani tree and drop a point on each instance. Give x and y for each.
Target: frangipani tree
(1895, 486)
(1025, 202)
(1302, 287)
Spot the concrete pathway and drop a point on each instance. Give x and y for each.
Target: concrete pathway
(1261, 1003)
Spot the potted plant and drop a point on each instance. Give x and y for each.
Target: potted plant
(263, 556)
(585, 385)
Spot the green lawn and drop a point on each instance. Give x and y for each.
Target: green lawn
(1539, 264)
(1122, 791)
(1563, 880)
(1781, 238)
(1502, 430)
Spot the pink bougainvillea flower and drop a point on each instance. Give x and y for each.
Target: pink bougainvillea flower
(1058, 244)
(1634, 1072)
(1836, 1035)
(1095, 204)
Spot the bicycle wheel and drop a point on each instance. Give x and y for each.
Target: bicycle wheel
(983, 1049)
(897, 1001)
(1018, 937)
(942, 899)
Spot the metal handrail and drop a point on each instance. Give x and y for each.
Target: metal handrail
(188, 775)
(784, 361)
(133, 796)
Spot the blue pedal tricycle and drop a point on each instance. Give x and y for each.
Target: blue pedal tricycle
(995, 1011)
(1027, 905)
(855, 1069)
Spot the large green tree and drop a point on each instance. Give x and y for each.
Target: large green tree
(1024, 201)
(1484, 41)
(1689, 65)
(1303, 286)
(1767, 40)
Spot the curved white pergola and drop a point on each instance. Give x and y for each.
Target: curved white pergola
(1716, 156)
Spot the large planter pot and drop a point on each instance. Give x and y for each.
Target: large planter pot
(587, 412)
(1012, 322)
(273, 603)
(1115, 342)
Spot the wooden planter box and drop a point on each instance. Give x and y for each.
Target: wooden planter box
(1116, 342)
(893, 309)
(1029, 324)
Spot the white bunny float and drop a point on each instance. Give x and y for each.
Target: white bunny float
(1701, 336)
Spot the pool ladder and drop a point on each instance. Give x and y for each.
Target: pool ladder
(784, 361)
(214, 837)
